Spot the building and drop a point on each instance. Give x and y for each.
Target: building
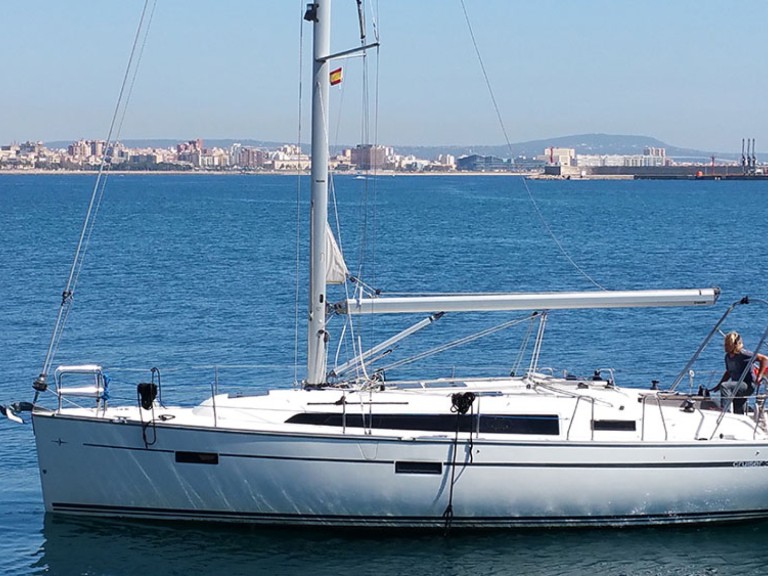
(557, 156)
(478, 163)
(369, 157)
(250, 158)
(290, 157)
(651, 157)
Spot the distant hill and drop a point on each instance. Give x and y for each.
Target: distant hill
(582, 143)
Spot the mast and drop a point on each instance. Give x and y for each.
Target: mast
(320, 14)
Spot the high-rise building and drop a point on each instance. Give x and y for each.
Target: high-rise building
(368, 157)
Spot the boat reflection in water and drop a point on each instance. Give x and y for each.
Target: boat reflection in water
(76, 546)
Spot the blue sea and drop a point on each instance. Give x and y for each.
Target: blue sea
(197, 275)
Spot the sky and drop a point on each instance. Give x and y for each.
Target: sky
(690, 73)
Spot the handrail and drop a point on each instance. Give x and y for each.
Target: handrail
(708, 338)
(759, 399)
(658, 399)
(748, 368)
(579, 398)
(700, 427)
(759, 403)
(694, 399)
(705, 342)
(758, 414)
(97, 390)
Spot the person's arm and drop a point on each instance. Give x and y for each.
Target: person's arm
(723, 378)
(762, 369)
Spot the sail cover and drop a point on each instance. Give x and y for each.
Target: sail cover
(335, 268)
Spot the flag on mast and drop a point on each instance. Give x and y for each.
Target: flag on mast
(336, 77)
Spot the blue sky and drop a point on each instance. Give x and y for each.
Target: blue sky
(691, 73)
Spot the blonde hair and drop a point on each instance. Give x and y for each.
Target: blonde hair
(732, 343)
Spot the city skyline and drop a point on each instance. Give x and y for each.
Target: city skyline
(687, 73)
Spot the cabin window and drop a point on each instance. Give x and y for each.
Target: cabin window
(539, 424)
(614, 425)
(418, 468)
(197, 457)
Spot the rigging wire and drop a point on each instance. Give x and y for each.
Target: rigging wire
(523, 347)
(365, 202)
(136, 68)
(348, 324)
(297, 268)
(324, 107)
(106, 161)
(67, 296)
(375, 186)
(457, 342)
(365, 140)
(337, 223)
(369, 202)
(374, 129)
(508, 142)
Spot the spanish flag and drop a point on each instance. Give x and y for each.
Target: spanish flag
(335, 76)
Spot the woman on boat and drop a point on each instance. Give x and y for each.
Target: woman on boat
(737, 358)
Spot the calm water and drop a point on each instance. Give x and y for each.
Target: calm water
(190, 272)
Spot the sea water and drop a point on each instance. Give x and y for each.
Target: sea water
(197, 275)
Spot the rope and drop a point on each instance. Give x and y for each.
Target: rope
(146, 392)
(461, 403)
(155, 371)
(543, 221)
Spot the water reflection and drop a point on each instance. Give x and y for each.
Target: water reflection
(115, 548)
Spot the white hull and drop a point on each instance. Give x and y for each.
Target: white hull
(101, 465)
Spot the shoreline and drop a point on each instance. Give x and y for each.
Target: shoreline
(355, 174)
(365, 175)
(529, 175)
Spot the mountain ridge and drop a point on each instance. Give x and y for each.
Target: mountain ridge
(593, 143)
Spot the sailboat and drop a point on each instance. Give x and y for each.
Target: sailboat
(350, 448)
